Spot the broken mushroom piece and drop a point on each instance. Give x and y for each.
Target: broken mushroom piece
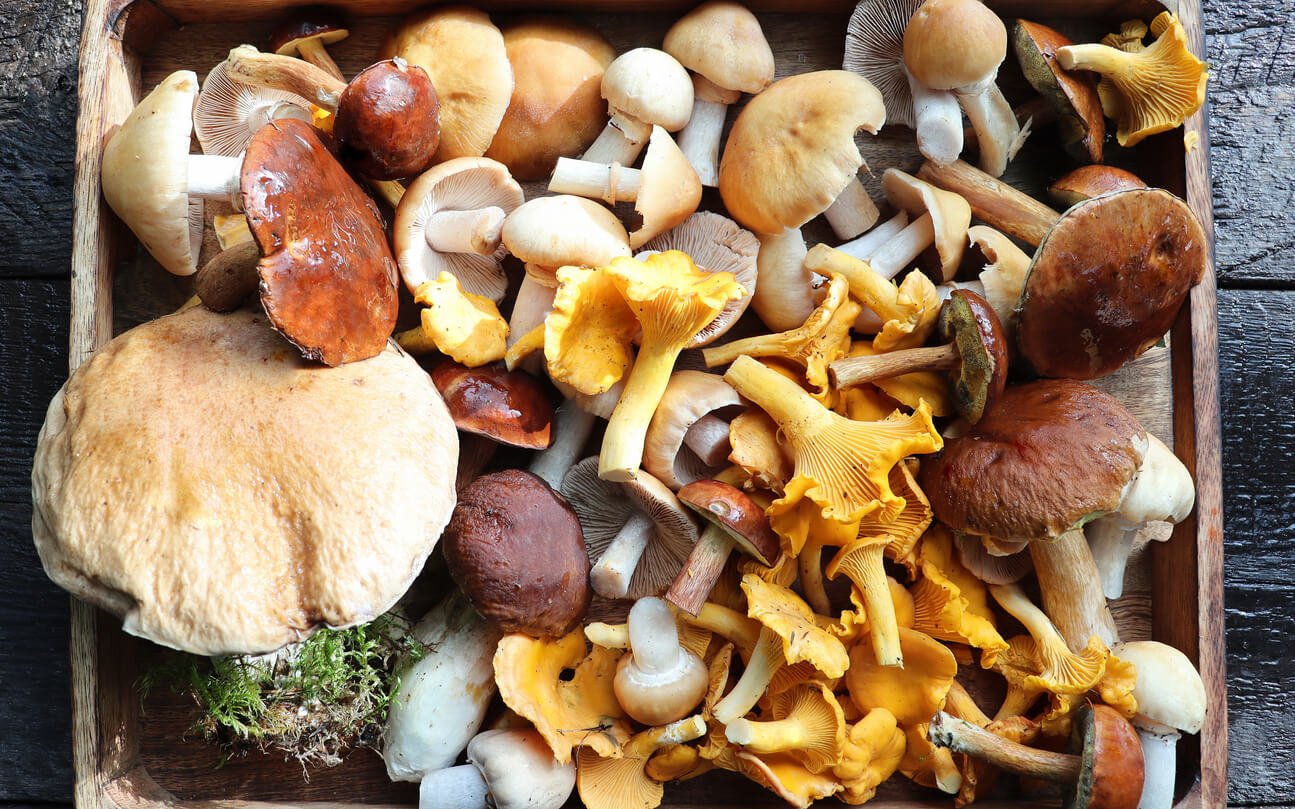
(733, 521)
(1103, 770)
(992, 201)
(874, 48)
(1087, 182)
(506, 769)
(305, 34)
(637, 532)
(687, 439)
(1072, 95)
(1003, 276)
(644, 87)
(657, 680)
(228, 113)
(510, 407)
(451, 220)
(722, 43)
(664, 192)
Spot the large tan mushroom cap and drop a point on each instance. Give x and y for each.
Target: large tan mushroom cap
(792, 150)
(199, 479)
(562, 230)
(954, 43)
(722, 41)
(557, 105)
(463, 53)
(950, 214)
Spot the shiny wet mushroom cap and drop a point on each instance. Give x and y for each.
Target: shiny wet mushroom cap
(510, 407)
(1087, 182)
(388, 120)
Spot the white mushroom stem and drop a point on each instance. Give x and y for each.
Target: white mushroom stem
(1160, 762)
(214, 177)
(610, 182)
(621, 141)
(708, 439)
(864, 246)
(700, 138)
(1110, 539)
(612, 573)
(534, 300)
(654, 639)
(475, 231)
(939, 123)
(997, 130)
(784, 298)
(898, 253)
(572, 427)
(461, 787)
(1072, 589)
(853, 211)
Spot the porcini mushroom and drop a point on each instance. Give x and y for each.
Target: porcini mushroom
(506, 769)
(644, 87)
(688, 437)
(509, 407)
(228, 113)
(722, 43)
(657, 680)
(1104, 769)
(306, 33)
(1072, 95)
(226, 281)
(733, 521)
(1087, 182)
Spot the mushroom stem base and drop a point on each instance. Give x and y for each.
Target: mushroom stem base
(699, 573)
(784, 298)
(313, 51)
(1159, 762)
(961, 736)
(573, 426)
(475, 231)
(461, 787)
(853, 211)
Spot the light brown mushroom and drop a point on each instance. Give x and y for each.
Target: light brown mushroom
(688, 437)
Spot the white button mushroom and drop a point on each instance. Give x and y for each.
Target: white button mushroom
(506, 769)
(644, 87)
(659, 681)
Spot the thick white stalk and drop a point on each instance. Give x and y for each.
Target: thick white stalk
(609, 182)
(898, 253)
(1160, 761)
(474, 231)
(864, 246)
(699, 139)
(215, 177)
(997, 130)
(939, 123)
(708, 439)
(573, 426)
(534, 301)
(620, 141)
(1110, 539)
(784, 297)
(460, 787)
(654, 638)
(613, 571)
(852, 212)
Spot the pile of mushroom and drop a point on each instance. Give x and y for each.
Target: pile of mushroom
(804, 523)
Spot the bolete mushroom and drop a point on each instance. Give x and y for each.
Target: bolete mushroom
(1103, 770)
(687, 439)
(306, 33)
(506, 769)
(722, 43)
(657, 680)
(644, 87)
(1087, 182)
(510, 407)
(1073, 96)
(228, 113)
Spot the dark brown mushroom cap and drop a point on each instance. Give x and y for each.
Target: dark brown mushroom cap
(516, 550)
(1087, 182)
(969, 322)
(509, 406)
(1108, 281)
(732, 510)
(311, 22)
(1047, 456)
(388, 120)
(328, 279)
(1072, 95)
(1111, 765)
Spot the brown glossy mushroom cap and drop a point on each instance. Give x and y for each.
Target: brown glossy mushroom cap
(970, 323)
(319, 23)
(1107, 282)
(733, 511)
(509, 406)
(1111, 764)
(388, 121)
(1045, 457)
(328, 279)
(1072, 94)
(1087, 182)
(516, 550)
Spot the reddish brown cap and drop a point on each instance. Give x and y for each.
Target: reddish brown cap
(328, 280)
(1087, 182)
(736, 513)
(1107, 282)
(388, 120)
(1072, 95)
(1045, 457)
(509, 406)
(516, 550)
(1111, 763)
(312, 22)
(970, 323)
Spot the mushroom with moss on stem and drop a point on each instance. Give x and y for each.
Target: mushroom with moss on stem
(687, 439)
(1072, 95)
(1087, 182)
(506, 769)
(306, 33)
(644, 87)
(657, 680)
(228, 113)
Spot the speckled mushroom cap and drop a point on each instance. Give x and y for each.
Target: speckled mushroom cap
(1047, 456)
(604, 507)
(1107, 282)
(200, 480)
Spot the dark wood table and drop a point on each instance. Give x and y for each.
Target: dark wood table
(1252, 109)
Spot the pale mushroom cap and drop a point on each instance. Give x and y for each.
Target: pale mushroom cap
(520, 769)
(1169, 690)
(954, 43)
(791, 151)
(239, 509)
(1163, 488)
(874, 48)
(461, 184)
(650, 86)
(722, 41)
(145, 172)
(689, 396)
(228, 113)
(463, 54)
(1004, 276)
(565, 230)
(950, 214)
(670, 191)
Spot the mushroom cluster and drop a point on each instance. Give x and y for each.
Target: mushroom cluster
(831, 478)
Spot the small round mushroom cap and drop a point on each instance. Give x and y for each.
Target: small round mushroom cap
(519, 768)
(328, 280)
(1073, 95)
(565, 230)
(461, 184)
(388, 121)
(557, 106)
(1107, 282)
(319, 23)
(733, 511)
(689, 397)
(228, 113)
(1169, 691)
(1111, 764)
(954, 43)
(650, 86)
(604, 507)
(463, 54)
(145, 173)
(198, 479)
(1087, 182)
(722, 41)
(510, 407)
(670, 190)
(970, 323)
(515, 548)
(950, 214)
(791, 151)
(1049, 455)
(874, 48)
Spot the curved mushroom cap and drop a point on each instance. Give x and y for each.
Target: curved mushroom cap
(328, 281)
(1073, 95)
(950, 214)
(515, 548)
(1047, 456)
(874, 48)
(1169, 690)
(954, 43)
(464, 56)
(557, 105)
(650, 86)
(388, 121)
(969, 321)
(519, 769)
(1087, 182)
(733, 511)
(235, 510)
(228, 113)
(1107, 282)
(722, 41)
(461, 184)
(690, 396)
(791, 151)
(152, 195)
(319, 23)
(565, 230)
(670, 189)
(1111, 768)
(510, 407)
(988, 567)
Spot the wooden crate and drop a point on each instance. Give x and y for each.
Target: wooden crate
(127, 754)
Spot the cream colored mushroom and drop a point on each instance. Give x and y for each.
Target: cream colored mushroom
(688, 437)
(644, 87)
